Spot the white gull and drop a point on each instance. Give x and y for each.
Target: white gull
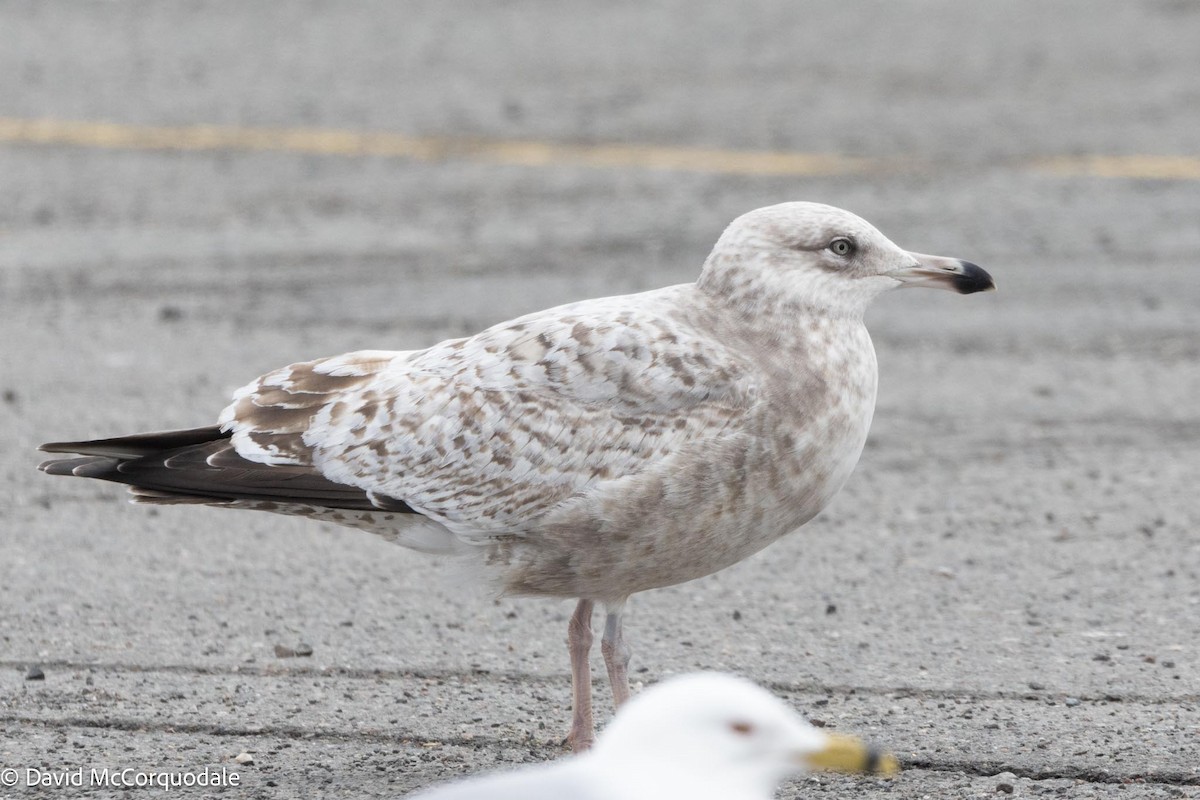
(704, 736)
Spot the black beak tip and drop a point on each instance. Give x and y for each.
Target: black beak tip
(973, 278)
(874, 761)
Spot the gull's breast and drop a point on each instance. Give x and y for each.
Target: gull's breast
(719, 501)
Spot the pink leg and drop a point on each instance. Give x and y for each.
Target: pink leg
(579, 644)
(616, 652)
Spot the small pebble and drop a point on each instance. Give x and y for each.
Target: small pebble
(737, 615)
(302, 650)
(1037, 687)
(35, 674)
(1006, 788)
(1071, 702)
(244, 758)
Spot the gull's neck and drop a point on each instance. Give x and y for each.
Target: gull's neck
(639, 779)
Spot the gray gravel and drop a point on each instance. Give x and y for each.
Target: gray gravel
(1006, 593)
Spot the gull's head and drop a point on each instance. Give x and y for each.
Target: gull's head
(722, 731)
(795, 255)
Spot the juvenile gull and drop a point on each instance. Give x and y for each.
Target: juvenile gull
(704, 736)
(589, 451)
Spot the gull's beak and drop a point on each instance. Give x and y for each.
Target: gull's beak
(848, 754)
(939, 272)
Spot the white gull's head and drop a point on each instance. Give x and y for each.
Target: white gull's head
(723, 733)
(704, 736)
(811, 256)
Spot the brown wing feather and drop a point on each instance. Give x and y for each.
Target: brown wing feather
(138, 444)
(200, 465)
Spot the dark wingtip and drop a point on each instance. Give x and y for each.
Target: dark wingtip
(973, 278)
(82, 467)
(139, 444)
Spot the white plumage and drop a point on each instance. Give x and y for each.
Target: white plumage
(704, 736)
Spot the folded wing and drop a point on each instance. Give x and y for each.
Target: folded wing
(486, 434)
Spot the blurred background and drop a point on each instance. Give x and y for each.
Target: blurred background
(197, 192)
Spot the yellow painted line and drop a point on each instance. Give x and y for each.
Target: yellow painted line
(495, 151)
(111, 135)
(1168, 168)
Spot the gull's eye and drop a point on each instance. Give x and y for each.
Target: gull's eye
(842, 247)
(742, 728)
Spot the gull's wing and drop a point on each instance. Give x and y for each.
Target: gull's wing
(488, 433)
(200, 465)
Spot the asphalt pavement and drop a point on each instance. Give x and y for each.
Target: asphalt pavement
(1006, 593)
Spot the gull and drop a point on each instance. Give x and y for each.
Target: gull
(589, 451)
(703, 736)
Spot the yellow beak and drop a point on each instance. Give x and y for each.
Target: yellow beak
(848, 754)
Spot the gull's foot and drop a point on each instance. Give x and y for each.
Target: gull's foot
(578, 741)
